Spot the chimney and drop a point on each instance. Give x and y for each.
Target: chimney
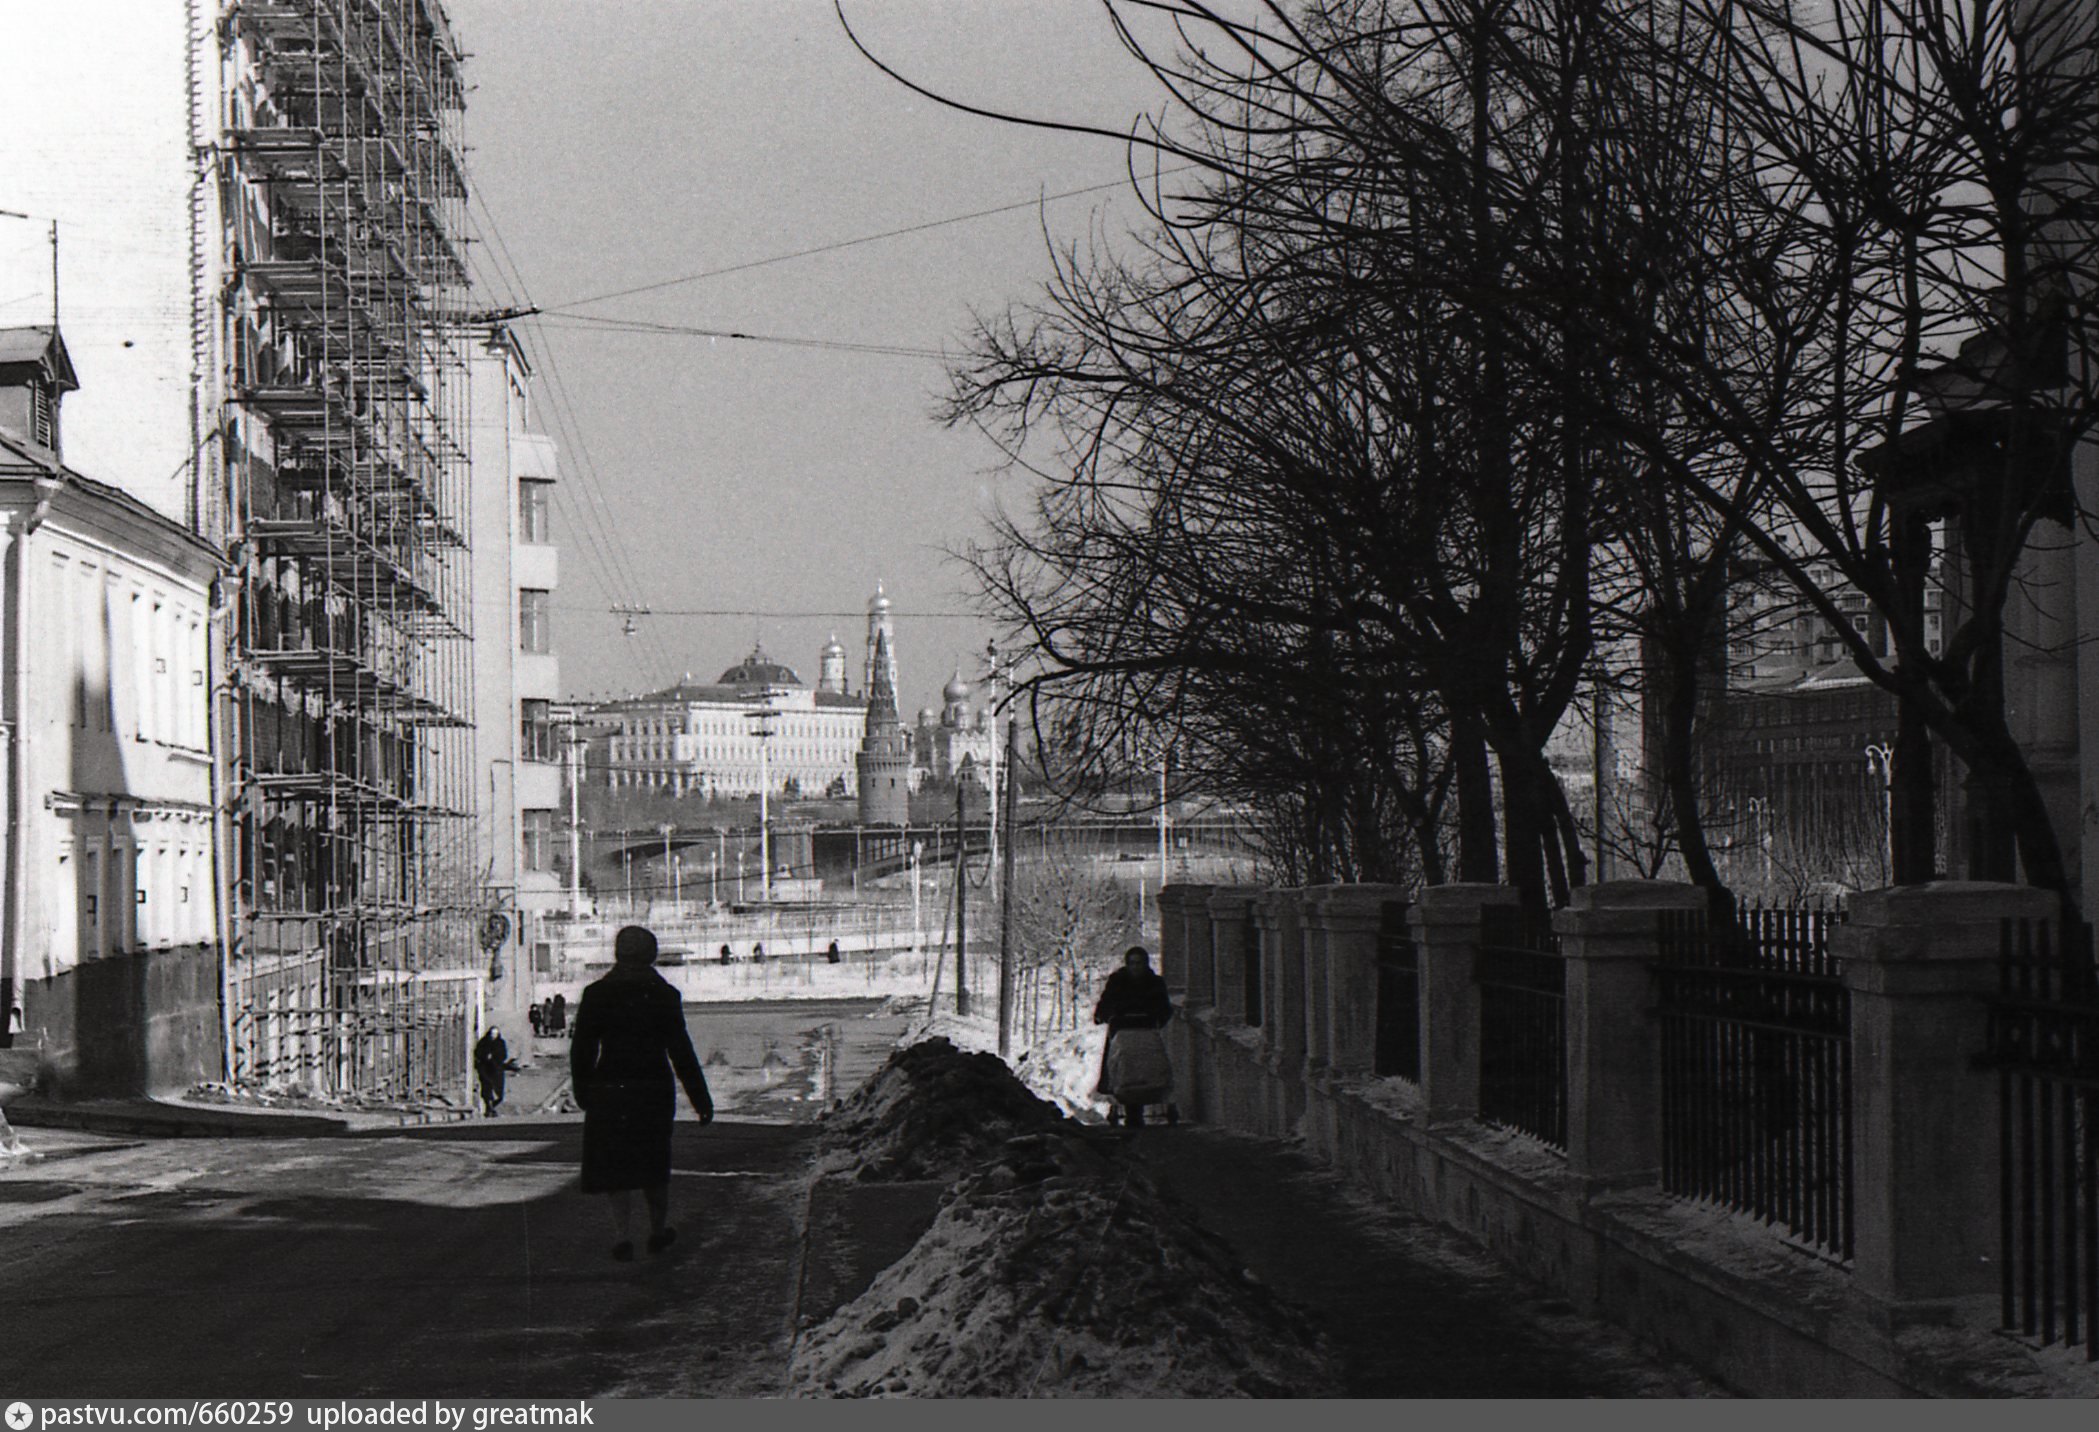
(35, 373)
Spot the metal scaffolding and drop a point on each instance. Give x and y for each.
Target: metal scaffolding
(346, 703)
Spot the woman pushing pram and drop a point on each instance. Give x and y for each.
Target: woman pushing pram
(1135, 1070)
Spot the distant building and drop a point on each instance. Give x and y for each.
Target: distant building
(884, 761)
(954, 742)
(113, 900)
(703, 738)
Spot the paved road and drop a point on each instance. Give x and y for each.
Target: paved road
(450, 1262)
(459, 1261)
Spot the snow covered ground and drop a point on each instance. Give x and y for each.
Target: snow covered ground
(1054, 1269)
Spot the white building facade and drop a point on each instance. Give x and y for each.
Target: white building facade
(112, 883)
(517, 676)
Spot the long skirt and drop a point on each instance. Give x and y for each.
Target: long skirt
(627, 1134)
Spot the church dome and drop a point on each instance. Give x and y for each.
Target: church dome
(957, 689)
(758, 669)
(834, 647)
(927, 716)
(878, 602)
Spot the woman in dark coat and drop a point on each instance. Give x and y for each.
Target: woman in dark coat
(630, 1039)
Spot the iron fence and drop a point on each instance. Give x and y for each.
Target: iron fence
(1398, 1049)
(1523, 1023)
(2044, 1042)
(1756, 1069)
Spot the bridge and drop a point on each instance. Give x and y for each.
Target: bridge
(873, 851)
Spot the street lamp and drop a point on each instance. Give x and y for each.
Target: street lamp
(1881, 757)
(670, 877)
(763, 725)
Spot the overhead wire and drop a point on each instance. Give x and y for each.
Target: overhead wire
(832, 248)
(586, 324)
(584, 500)
(589, 508)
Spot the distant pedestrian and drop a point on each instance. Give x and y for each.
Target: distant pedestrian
(832, 954)
(559, 1010)
(725, 954)
(758, 952)
(491, 1063)
(1134, 997)
(631, 1052)
(539, 1020)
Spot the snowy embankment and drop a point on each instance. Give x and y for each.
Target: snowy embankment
(1054, 1268)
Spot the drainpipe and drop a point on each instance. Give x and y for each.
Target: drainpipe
(11, 710)
(222, 851)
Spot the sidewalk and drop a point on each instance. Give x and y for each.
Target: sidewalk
(1413, 1310)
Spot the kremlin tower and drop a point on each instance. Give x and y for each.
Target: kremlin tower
(885, 751)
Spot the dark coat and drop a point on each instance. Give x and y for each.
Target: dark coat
(630, 1052)
(491, 1058)
(1133, 1001)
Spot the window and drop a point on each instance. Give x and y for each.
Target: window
(536, 740)
(538, 833)
(535, 505)
(535, 620)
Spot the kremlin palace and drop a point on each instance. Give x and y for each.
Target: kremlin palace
(758, 725)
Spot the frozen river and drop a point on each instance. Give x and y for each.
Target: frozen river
(786, 1060)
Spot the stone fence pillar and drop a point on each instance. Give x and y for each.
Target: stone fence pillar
(1201, 952)
(1315, 967)
(1182, 939)
(1614, 1075)
(1446, 925)
(1173, 956)
(1231, 922)
(1346, 920)
(1280, 915)
(1920, 962)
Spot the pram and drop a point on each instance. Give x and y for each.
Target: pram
(1137, 1072)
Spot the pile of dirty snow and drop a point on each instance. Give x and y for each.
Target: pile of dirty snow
(931, 1112)
(1061, 1067)
(1054, 1271)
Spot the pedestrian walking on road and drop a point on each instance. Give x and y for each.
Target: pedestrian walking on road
(557, 1012)
(538, 1020)
(491, 1062)
(1135, 997)
(631, 1052)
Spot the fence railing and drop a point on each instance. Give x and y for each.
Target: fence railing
(1755, 1027)
(2044, 1042)
(1523, 1024)
(1398, 1048)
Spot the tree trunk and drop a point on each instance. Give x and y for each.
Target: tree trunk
(1477, 858)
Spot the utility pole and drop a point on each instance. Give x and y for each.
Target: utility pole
(575, 828)
(1164, 753)
(992, 679)
(1005, 908)
(961, 907)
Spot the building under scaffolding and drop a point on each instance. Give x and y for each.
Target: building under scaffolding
(339, 488)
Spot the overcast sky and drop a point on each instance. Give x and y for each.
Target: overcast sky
(621, 143)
